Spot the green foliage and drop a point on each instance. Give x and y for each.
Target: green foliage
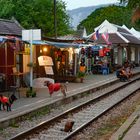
(80, 74)
(31, 64)
(6, 7)
(131, 3)
(13, 124)
(30, 92)
(37, 14)
(115, 14)
(137, 24)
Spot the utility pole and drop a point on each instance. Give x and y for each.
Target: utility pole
(55, 20)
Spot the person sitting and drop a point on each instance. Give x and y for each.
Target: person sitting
(129, 71)
(122, 75)
(126, 63)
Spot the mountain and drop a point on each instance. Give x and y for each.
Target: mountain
(79, 14)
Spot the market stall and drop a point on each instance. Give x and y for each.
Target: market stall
(65, 58)
(92, 58)
(10, 47)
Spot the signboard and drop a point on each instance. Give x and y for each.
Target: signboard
(34, 34)
(45, 61)
(49, 70)
(30, 35)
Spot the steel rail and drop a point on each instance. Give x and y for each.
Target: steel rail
(45, 124)
(97, 117)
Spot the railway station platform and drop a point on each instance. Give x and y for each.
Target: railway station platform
(130, 130)
(26, 105)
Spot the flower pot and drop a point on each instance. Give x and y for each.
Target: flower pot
(31, 93)
(79, 80)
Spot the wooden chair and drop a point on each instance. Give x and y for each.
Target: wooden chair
(16, 87)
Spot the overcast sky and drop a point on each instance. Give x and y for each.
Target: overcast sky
(72, 4)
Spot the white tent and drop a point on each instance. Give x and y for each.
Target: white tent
(134, 32)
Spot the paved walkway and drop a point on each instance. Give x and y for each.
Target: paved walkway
(134, 132)
(130, 130)
(24, 104)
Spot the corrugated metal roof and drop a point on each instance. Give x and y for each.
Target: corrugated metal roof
(131, 38)
(113, 38)
(10, 27)
(69, 37)
(122, 30)
(119, 36)
(78, 35)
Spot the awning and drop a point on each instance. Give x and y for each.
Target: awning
(66, 45)
(3, 39)
(39, 42)
(59, 44)
(10, 38)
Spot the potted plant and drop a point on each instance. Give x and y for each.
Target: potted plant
(30, 92)
(81, 75)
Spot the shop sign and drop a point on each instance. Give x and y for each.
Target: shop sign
(49, 70)
(45, 61)
(27, 50)
(35, 34)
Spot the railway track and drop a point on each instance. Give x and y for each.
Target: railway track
(82, 114)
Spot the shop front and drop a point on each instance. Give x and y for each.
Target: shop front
(64, 57)
(93, 58)
(12, 55)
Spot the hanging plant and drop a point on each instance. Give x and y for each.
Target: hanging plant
(58, 55)
(83, 51)
(31, 64)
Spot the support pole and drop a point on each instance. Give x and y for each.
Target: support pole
(75, 64)
(55, 21)
(6, 79)
(31, 59)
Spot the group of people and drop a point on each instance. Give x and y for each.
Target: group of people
(125, 73)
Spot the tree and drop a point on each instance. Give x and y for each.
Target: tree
(115, 14)
(135, 6)
(132, 3)
(37, 14)
(6, 7)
